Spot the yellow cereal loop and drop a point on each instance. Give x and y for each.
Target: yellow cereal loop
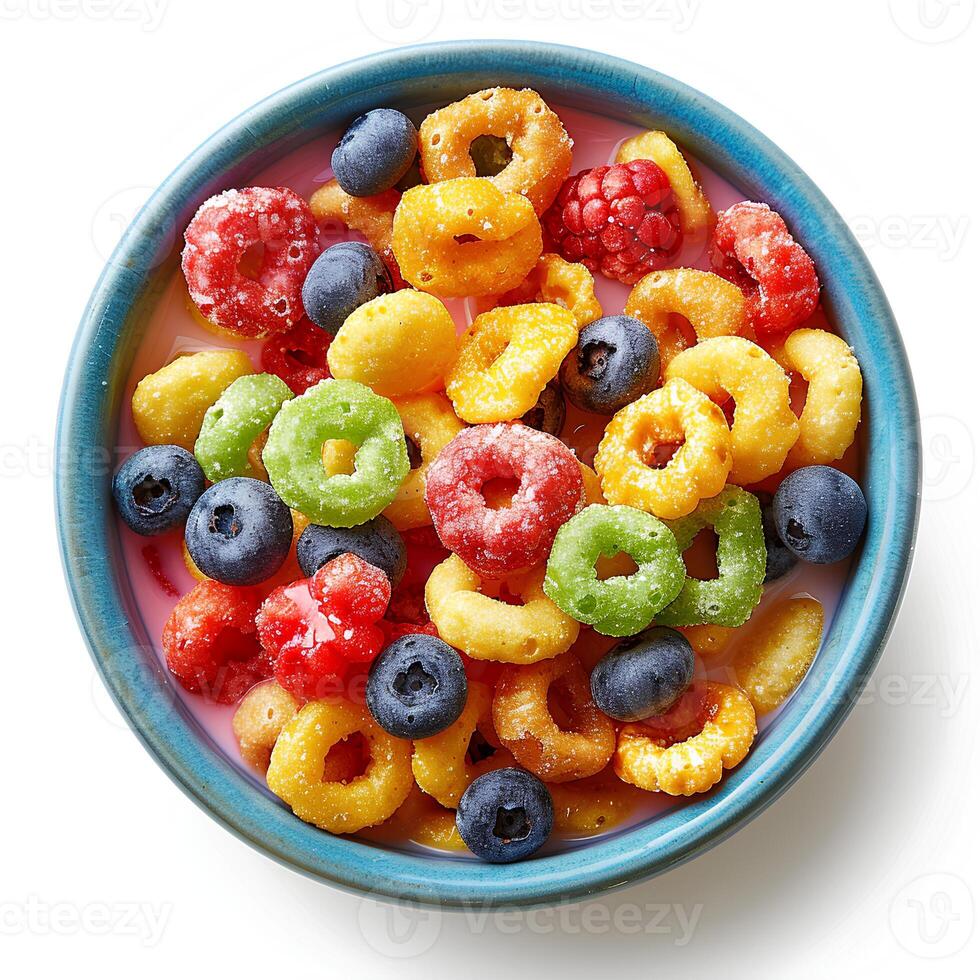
(713, 306)
(396, 344)
(507, 357)
(430, 423)
(764, 427)
(776, 652)
(422, 820)
(465, 237)
(833, 400)
(676, 414)
(259, 719)
(579, 742)
(586, 807)
(485, 628)
(553, 280)
(696, 764)
(541, 151)
(708, 640)
(441, 764)
(169, 405)
(695, 210)
(371, 216)
(296, 769)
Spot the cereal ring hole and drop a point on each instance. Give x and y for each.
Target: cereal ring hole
(338, 456)
(499, 492)
(490, 154)
(701, 558)
(231, 645)
(657, 457)
(252, 259)
(347, 760)
(414, 453)
(619, 564)
(479, 748)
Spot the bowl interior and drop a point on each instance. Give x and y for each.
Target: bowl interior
(142, 266)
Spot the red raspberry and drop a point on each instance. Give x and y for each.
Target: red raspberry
(210, 642)
(315, 627)
(298, 356)
(620, 220)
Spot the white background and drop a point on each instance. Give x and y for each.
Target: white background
(869, 862)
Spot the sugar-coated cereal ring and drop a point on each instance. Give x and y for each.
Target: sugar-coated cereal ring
(586, 807)
(778, 650)
(506, 358)
(729, 599)
(579, 743)
(296, 769)
(169, 405)
(541, 149)
(337, 410)
(485, 628)
(495, 543)
(430, 425)
(624, 604)
(371, 216)
(553, 280)
(833, 400)
(259, 719)
(695, 209)
(221, 232)
(713, 306)
(696, 764)
(676, 414)
(233, 423)
(708, 641)
(764, 427)
(441, 764)
(396, 344)
(465, 237)
(422, 820)
(298, 356)
(752, 247)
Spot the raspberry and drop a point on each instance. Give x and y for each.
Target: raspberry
(315, 627)
(620, 220)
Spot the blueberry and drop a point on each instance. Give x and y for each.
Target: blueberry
(343, 278)
(616, 361)
(644, 675)
(505, 815)
(377, 542)
(375, 153)
(820, 514)
(156, 488)
(417, 687)
(239, 532)
(779, 559)
(548, 413)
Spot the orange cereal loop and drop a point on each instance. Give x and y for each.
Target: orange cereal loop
(694, 765)
(371, 216)
(713, 306)
(554, 280)
(832, 410)
(777, 650)
(675, 415)
(296, 769)
(541, 149)
(696, 213)
(421, 820)
(764, 427)
(430, 424)
(506, 359)
(486, 628)
(708, 641)
(544, 714)
(443, 764)
(586, 807)
(465, 237)
(259, 719)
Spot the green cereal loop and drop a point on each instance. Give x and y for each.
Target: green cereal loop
(624, 604)
(729, 599)
(336, 409)
(232, 423)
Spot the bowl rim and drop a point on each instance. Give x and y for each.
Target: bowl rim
(854, 642)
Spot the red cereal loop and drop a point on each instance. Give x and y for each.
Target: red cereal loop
(223, 230)
(298, 356)
(492, 542)
(687, 715)
(211, 645)
(752, 247)
(315, 627)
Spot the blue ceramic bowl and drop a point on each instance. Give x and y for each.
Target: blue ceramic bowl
(102, 356)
